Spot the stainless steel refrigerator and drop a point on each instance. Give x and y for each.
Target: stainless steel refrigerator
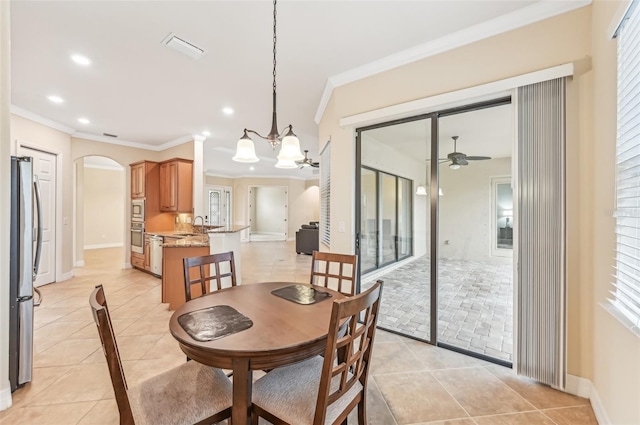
(26, 245)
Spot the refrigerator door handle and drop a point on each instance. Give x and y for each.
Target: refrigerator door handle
(37, 302)
(36, 262)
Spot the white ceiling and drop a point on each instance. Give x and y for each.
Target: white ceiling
(149, 94)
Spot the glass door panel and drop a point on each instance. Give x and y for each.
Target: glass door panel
(475, 286)
(368, 220)
(387, 225)
(405, 219)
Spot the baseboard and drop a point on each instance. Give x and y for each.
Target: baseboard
(79, 263)
(65, 276)
(127, 266)
(583, 387)
(291, 239)
(104, 245)
(5, 396)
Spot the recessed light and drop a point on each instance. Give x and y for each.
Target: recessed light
(81, 60)
(56, 99)
(252, 168)
(83, 121)
(206, 133)
(227, 111)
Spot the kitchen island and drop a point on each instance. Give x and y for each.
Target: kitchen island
(215, 241)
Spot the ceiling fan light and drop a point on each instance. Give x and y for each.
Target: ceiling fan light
(286, 163)
(245, 150)
(454, 166)
(421, 190)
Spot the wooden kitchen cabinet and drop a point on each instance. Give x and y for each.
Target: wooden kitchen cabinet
(176, 185)
(144, 179)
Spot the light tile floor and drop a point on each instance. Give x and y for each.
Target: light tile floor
(410, 382)
(475, 304)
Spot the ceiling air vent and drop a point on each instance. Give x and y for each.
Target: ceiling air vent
(182, 46)
(109, 135)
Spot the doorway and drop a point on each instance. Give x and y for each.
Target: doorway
(451, 286)
(218, 205)
(268, 213)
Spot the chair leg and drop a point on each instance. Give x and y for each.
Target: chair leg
(362, 411)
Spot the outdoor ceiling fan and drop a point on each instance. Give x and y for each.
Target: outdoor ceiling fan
(458, 159)
(307, 162)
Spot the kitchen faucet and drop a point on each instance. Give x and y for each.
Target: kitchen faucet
(201, 219)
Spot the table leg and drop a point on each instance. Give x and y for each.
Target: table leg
(242, 385)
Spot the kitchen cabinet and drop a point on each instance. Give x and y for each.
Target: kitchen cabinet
(147, 252)
(176, 186)
(137, 180)
(137, 260)
(173, 291)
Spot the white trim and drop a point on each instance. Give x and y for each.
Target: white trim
(510, 21)
(104, 245)
(66, 276)
(598, 407)
(16, 110)
(127, 266)
(104, 167)
(484, 91)
(112, 141)
(5, 396)
(579, 386)
(79, 263)
(174, 142)
(244, 176)
(618, 17)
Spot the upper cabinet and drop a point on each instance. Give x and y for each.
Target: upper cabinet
(176, 185)
(144, 178)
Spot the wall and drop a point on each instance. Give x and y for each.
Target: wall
(304, 198)
(32, 134)
(465, 210)
(562, 39)
(616, 350)
(5, 201)
(104, 201)
(270, 209)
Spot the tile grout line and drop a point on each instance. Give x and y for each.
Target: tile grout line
(451, 395)
(385, 402)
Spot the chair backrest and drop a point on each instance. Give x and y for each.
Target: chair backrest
(101, 316)
(335, 271)
(349, 345)
(199, 265)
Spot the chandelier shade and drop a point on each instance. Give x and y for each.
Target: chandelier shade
(289, 143)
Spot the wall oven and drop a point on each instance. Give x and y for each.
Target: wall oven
(137, 237)
(137, 210)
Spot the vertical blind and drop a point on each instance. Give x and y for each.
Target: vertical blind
(325, 195)
(626, 291)
(541, 347)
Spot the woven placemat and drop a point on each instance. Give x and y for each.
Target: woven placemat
(214, 322)
(301, 294)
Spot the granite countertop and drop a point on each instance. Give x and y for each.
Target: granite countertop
(188, 242)
(229, 229)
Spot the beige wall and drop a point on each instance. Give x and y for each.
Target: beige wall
(600, 348)
(104, 202)
(616, 351)
(5, 190)
(304, 198)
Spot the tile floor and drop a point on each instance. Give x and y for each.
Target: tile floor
(475, 310)
(410, 382)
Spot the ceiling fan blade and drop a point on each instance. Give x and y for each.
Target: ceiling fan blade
(315, 164)
(461, 161)
(442, 161)
(477, 158)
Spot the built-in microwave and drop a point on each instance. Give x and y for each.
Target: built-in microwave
(137, 210)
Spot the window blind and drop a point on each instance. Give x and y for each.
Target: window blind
(325, 195)
(626, 285)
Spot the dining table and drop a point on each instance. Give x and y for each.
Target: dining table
(281, 332)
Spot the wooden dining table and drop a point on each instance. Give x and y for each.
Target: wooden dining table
(283, 332)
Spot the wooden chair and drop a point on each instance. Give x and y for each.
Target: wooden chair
(334, 271)
(204, 278)
(188, 394)
(292, 395)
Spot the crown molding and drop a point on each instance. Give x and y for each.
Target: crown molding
(104, 167)
(112, 141)
(225, 176)
(16, 110)
(175, 142)
(536, 12)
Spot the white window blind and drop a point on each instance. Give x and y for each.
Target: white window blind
(626, 291)
(325, 195)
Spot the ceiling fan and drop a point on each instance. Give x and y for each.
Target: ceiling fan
(458, 159)
(307, 162)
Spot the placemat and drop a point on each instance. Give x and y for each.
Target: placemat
(301, 294)
(214, 322)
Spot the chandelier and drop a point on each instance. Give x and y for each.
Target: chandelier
(290, 149)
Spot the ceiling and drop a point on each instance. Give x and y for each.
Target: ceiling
(150, 95)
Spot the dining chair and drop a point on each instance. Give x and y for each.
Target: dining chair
(213, 263)
(188, 394)
(323, 391)
(334, 271)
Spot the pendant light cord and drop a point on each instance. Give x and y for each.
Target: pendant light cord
(275, 39)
